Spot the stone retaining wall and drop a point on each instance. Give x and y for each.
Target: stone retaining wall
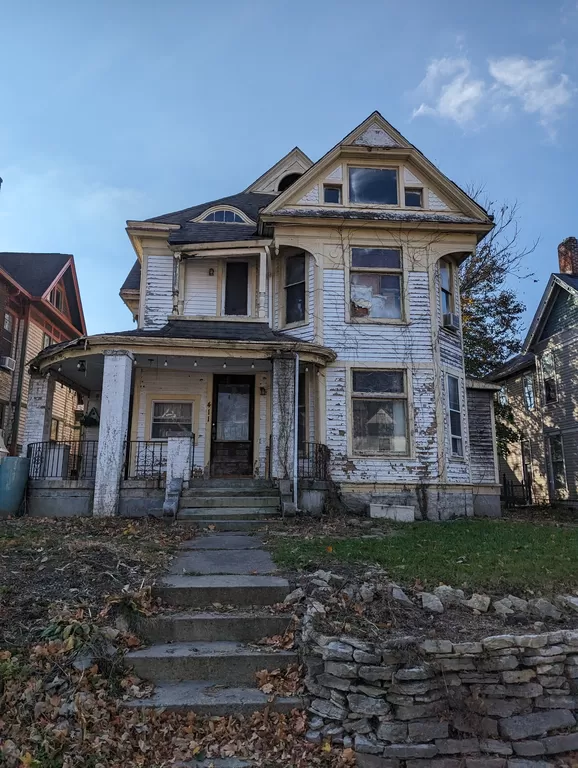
(508, 701)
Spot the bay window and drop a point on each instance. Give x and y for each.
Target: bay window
(379, 407)
(376, 283)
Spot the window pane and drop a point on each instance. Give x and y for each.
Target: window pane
(295, 303)
(236, 285)
(446, 276)
(556, 448)
(375, 295)
(388, 258)
(413, 198)
(378, 381)
(457, 446)
(454, 393)
(295, 269)
(171, 419)
(455, 424)
(8, 322)
(233, 412)
(331, 194)
(550, 390)
(210, 217)
(373, 185)
(446, 303)
(229, 216)
(529, 397)
(548, 365)
(379, 426)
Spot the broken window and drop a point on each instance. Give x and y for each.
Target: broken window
(455, 416)
(332, 193)
(373, 186)
(447, 287)
(295, 289)
(375, 283)
(171, 419)
(557, 466)
(379, 406)
(528, 387)
(413, 198)
(236, 288)
(549, 377)
(225, 217)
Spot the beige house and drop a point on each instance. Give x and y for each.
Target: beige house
(303, 331)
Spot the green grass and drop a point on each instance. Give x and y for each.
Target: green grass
(476, 554)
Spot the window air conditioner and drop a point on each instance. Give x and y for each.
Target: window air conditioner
(7, 363)
(451, 321)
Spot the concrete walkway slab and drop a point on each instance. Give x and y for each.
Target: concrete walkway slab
(223, 561)
(224, 541)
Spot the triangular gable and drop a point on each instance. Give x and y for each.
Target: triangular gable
(377, 133)
(556, 291)
(67, 279)
(295, 161)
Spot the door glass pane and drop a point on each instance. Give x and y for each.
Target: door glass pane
(233, 412)
(236, 288)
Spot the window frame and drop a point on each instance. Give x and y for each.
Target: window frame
(350, 318)
(206, 220)
(556, 494)
(414, 189)
(405, 396)
(285, 286)
(503, 397)
(250, 285)
(460, 411)
(54, 422)
(47, 336)
(336, 186)
(173, 401)
(525, 378)
(57, 292)
(554, 378)
(396, 168)
(448, 292)
(7, 337)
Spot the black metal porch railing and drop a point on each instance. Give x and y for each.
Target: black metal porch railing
(514, 493)
(145, 460)
(63, 459)
(313, 461)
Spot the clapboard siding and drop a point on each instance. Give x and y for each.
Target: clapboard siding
(450, 342)
(380, 341)
(563, 315)
(482, 456)
(562, 413)
(159, 290)
(201, 287)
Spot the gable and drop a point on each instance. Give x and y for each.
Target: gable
(294, 162)
(562, 314)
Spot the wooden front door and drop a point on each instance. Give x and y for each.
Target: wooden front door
(232, 427)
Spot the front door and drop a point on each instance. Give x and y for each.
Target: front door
(232, 427)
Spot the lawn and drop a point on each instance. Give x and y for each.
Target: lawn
(475, 554)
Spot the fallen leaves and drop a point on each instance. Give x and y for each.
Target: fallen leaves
(281, 682)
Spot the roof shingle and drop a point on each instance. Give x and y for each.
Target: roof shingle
(34, 272)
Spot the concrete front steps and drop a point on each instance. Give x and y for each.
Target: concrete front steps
(205, 660)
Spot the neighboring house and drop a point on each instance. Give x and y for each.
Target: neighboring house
(317, 308)
(39, 306)
(540, 386)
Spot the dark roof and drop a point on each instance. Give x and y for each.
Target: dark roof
(570, 280)
(212, 233)
(34, 271)
(512, 366)
(132, 282)
(248, 202)
(220, 330)
(375, 215)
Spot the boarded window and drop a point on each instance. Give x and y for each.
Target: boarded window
(375, 283)
(171, 419)
(236, 288)
(379, 406)
(373, 186)
(457, 443)
(295, 289)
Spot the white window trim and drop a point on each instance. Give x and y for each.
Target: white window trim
(201, 218)
(404, 298)
(532, 379)
(400, 186)
(283, 294)
(250, 289)
(169, 400)
(442, 290)
(456, 456)
(543, 378)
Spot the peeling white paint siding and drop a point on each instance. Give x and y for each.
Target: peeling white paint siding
(435, 203)
(375, 136)
(482, 455)
(458, 469)
(336, 174)
(450, 342)
(378, 342)
(159, 290)
(200, 287)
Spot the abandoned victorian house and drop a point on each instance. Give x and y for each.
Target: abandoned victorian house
(539, 388)
(300, 335)
(39, 306)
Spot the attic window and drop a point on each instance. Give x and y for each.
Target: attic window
(413, 198)
(55, 298)
(373, 186)
(225, 217)
(286, 181)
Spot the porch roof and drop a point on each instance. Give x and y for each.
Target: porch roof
(223, 330)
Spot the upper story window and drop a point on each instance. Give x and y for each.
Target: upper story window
(373, 186)
(295, 289)
(549, 377)
(413, 197)
(56, 298)
(379, 410)
(375, 283)
(224, 217)
(332, 193)
(236, 288)
(457, 442)
(47, 340)
(7, 335)
(447, 287)
(528, 387)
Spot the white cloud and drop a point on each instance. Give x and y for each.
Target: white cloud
(451, 90)
(535, 83)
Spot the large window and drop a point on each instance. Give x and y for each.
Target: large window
(457, 443)
(447, 287)
(529, 396)
(373, 186)
(549, 377)
(236, 288)
(379, 412)
(375, 283)
(171, 419)
(558, 470)
(295, 289)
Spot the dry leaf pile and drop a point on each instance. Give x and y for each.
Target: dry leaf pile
(281, 682)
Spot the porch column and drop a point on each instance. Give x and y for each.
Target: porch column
(262, 284)
(39, 410)
(114, 413)
(283, 417)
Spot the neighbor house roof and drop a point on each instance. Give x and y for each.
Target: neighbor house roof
(512, 366)
(35, 272)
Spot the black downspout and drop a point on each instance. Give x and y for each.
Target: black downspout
(18, 408)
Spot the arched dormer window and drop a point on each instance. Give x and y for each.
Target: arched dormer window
(224, 217)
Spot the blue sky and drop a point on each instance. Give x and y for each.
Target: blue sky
(125, 110)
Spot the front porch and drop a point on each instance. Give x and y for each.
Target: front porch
(150, 418)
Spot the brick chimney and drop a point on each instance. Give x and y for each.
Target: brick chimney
(568, 256)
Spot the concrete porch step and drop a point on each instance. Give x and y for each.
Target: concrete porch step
(204, 562)
(218, 661)
(226, 513)
(208, 627)
(205, 501)
(222, 541)
(229, 490)
(229, 482)
(204, 591)
(210, 699)
(234, 524)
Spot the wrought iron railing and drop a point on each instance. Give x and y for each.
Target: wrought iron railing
(63, 459)
(514, 493)
(145, 460)
(313, 461)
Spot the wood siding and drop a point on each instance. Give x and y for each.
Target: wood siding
(482, 456)
(200, 287)
(158, 303)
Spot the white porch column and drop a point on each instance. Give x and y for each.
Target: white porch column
(262, 284)
(39, 411)
(283, 417)
(114, 413)
(179, 452)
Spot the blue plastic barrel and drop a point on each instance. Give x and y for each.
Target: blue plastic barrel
(13, 479)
